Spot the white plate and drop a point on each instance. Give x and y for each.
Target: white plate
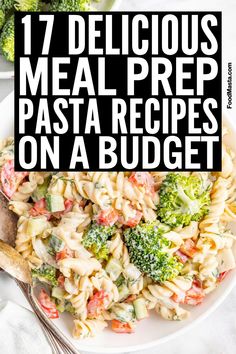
(6, 68)
(154, 330)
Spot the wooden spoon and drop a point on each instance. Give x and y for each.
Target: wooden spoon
(10, 260)
(13, 263)
(8, 222)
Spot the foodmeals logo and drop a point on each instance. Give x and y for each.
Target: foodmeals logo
(118, 91)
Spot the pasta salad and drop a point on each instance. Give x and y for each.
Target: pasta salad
(111, 246)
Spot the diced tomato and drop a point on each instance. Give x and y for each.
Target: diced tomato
(10, 179)
(143, 179)
(65, 253)
(61, 255)
(197, 282)
(179, 298)
(68, 206)
(222, 276)
(107, 217)
(132, 222)
(45, 300)
(121, 327)
(195, 295)
(51, 313)
(47, 305)
(61, 280)
(182, 257)
(39, 208)
(188, 248)
(97, 304)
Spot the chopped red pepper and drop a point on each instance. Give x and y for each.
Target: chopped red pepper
(188, 248)
(121, 327)
(222, 276)
(97, 303)
(10, 179)
(47, 305)
(65, 253)
(40, 208)
(179, 298)
(133, 221)
(143, 179)
(195, 295)
(182, 257)
(107, 217)
(61, 281)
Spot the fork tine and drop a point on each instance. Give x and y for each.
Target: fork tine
(58, 338)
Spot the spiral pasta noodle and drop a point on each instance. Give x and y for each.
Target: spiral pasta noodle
(79, 303)
(101, 281)
(75, 220)
(208, 273)
(209, 226)
(100, 243)
(27, 188)
(20, 208)
(116, 246)
(24, 242)
(88, 328)
(79, 266)
(114, 189)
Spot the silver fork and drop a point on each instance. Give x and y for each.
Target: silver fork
(59, 343)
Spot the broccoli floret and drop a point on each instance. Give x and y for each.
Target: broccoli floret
(95, 239)
(7, 5)
(27, 5)
(85, 5)
(147, 249)
(183, 199)
(7, 39)
(70, 5)
(2, 18)
(47, 273)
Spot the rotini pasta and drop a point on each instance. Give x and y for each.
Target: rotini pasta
(113, 246)
(88, 328)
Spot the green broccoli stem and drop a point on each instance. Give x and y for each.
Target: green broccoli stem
(46, 273)
(191, 205)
